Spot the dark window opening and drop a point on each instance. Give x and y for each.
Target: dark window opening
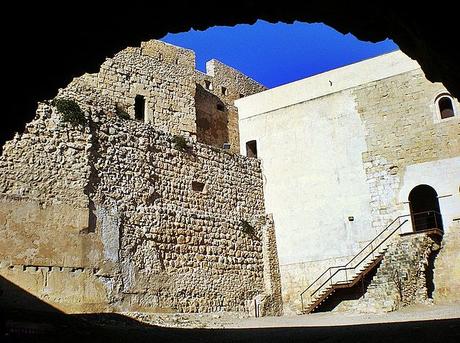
(446, 108)
(207, 84)
(424, 208)
(251, 149)
(197, 186)
(220, 107)
(241, 95)
(224, 91)
(139, 107)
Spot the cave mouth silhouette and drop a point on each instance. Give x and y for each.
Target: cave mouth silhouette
(46, 45)
(25, 318)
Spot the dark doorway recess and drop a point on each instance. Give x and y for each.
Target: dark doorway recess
(139, 107)
(251, 149)
(424, 208)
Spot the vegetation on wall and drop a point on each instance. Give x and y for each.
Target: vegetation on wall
(70, 110)
(180, 143)
(121, 112)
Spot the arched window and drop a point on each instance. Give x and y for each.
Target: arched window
(424, 208)
(445, 106)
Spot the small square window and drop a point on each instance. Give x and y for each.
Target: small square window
(197, 186)
(208, 84)
(251, 149)
(224, 91)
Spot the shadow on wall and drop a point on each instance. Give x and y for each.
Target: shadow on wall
(211, 118)
(39, 322)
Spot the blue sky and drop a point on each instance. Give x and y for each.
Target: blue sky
(276, 54)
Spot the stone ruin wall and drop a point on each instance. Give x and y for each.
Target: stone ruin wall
(163, 74)
(177, 97)
(111, 216)
(216, 115)
(156, 243)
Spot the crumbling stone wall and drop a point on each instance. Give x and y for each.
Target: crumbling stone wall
(446, 273)
(156, 241)
(401, 277)
(271, 302)
(178, 99)
(163, 74)
(44, 177)
(181, 248)
(216, 115)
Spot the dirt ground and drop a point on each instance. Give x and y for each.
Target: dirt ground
(238, 321)
(417, 324)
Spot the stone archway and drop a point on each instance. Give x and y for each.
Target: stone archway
(424, 208)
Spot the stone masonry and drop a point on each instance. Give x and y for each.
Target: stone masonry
(114, 215)
(401, 278)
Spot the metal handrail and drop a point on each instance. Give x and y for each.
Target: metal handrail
(333, 267)
(362, 260)
(373, 249)
(345, 267)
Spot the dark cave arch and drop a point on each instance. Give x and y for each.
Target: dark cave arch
(49, 45)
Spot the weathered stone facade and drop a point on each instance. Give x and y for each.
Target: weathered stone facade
(178, 99)
(341, 152)
(216, 115)
(114, 215)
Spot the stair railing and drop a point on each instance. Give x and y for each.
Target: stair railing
(341, 274)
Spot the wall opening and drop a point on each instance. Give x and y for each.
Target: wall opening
(224, 90)
(208, 84)
(197, 186)
(445, 106)
(251, 149)
(139, 107)
(424, 208)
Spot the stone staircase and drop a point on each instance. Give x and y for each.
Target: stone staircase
(349, 274)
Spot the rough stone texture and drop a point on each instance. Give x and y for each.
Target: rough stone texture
(179, 249)
(272, 303)
(221, 85)
(401, 277)
(110, 207)
(399, 134)
(162, 73)
(446, 271)
(176, 97)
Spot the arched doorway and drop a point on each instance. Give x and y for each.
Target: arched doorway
(424, 208)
